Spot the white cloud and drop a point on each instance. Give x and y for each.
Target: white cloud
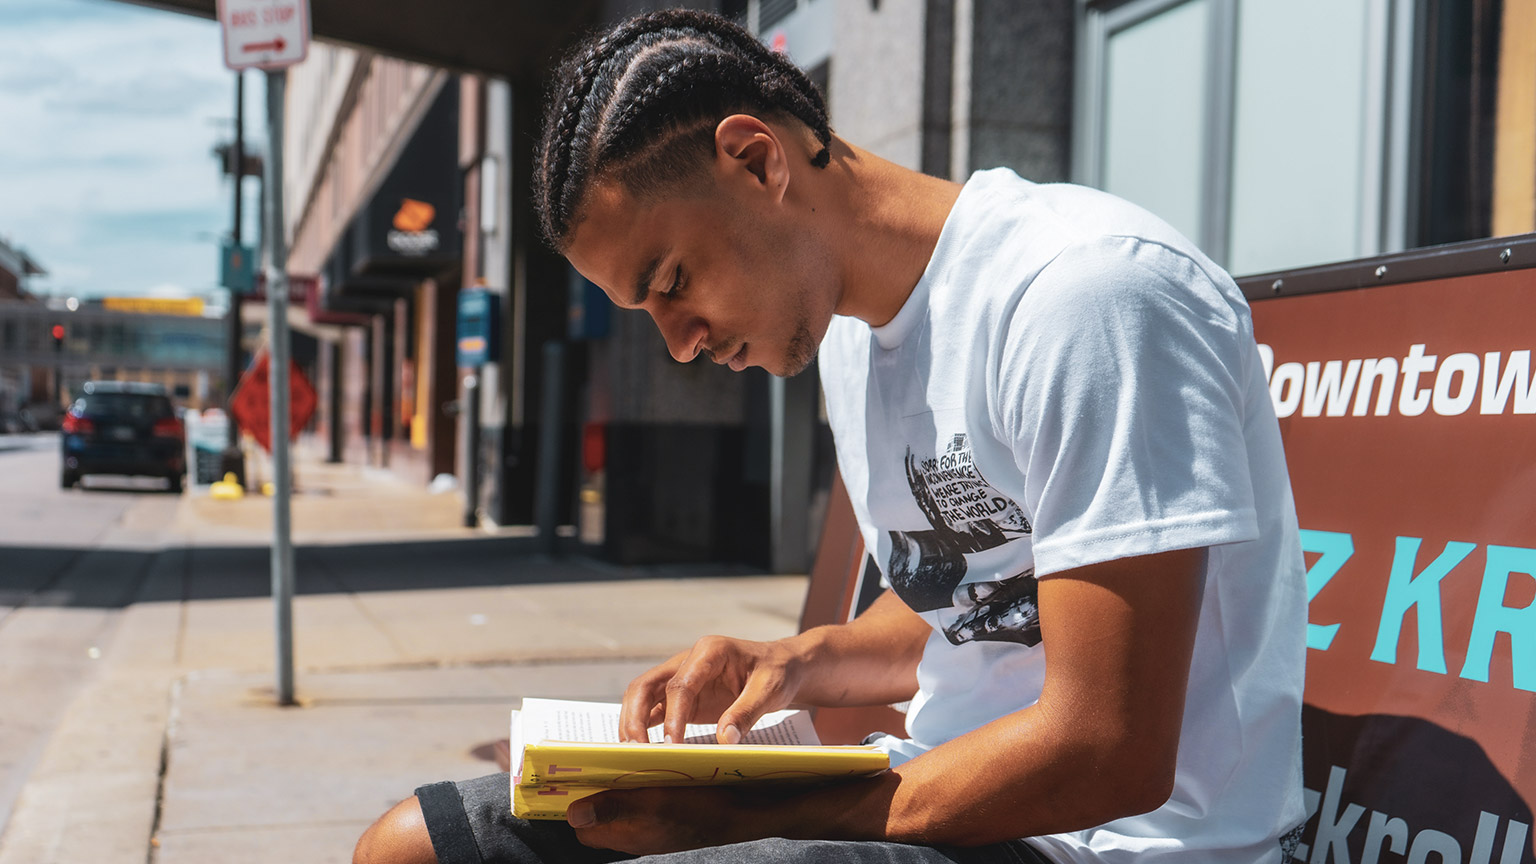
(106, 169)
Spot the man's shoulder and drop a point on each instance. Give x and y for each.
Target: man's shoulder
(1044, 219)
(1062, 241)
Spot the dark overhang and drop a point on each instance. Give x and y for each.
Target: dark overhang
(409, 227)
(513, 39)
(343, 291)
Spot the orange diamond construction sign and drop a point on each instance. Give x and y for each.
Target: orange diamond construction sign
(251, 403)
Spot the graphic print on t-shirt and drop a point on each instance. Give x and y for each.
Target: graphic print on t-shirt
(967, 515)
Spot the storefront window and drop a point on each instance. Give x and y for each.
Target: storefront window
(1154, 122)
(1301, 154)
(1273, 133)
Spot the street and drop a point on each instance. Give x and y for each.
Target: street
(68, 566)
(138, 721)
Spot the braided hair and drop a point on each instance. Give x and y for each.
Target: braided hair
(640, 103)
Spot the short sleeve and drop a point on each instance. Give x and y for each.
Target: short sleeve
(1119, 394)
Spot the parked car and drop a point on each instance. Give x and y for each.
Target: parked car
(119, 427)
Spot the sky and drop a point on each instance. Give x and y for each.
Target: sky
(109, 113)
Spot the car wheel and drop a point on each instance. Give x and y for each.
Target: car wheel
(68, 479)
(177, 483)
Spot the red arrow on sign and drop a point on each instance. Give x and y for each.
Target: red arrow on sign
(275, 45)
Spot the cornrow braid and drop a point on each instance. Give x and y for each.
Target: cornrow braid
(750, 45)
(640, 103)
(554, 162)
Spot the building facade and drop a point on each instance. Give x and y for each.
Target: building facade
(49, 349)
(373, 217)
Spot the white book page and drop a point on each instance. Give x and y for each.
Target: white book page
(565, 720)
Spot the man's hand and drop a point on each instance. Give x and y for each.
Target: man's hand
(871, 660)
(1101, 742)
(657, 820)
(732, 682)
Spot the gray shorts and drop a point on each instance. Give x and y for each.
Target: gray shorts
(472, 823)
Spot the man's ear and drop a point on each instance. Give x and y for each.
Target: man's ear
(748, 150)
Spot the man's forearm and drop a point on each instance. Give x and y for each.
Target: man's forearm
(871, 660)
(1100, 743)
(1022, 775)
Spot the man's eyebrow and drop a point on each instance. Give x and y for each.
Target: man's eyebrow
(643, 281)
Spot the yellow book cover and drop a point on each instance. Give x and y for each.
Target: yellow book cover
(564, 750)
(547, 802)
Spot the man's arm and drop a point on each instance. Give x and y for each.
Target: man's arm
(871, 660)
(1101, 743)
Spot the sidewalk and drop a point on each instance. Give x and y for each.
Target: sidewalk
(413, 638)
(331, 503)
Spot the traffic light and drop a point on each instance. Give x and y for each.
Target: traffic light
(58, 337)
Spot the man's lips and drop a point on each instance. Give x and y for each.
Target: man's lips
(737, 359)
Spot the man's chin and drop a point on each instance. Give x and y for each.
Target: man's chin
(800, 353)
(792, 366)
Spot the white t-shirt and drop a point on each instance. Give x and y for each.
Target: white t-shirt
(1073, 382)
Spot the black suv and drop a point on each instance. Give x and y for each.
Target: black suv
(119, 427)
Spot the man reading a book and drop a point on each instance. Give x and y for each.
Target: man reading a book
(1054, 425)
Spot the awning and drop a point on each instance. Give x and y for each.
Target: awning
(513, 39)
(409, 229)
(410, 226)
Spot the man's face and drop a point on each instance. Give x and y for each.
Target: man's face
(727, 275)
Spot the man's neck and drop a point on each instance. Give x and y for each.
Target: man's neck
(892, 220)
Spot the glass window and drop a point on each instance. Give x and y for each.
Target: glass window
(1299, 155)
(1155, 114)
(1273, 133)
(129, 406)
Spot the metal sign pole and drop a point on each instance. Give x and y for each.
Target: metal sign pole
(471, 415)
(277, 310)
(232, 461)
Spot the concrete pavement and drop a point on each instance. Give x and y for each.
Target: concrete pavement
(413, 639)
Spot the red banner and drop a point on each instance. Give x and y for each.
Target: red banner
(1409, 418)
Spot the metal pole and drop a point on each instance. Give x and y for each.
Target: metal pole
(471, 415)
(280, 354)
(334, 427)
(233, 461)
(58, 373)
(547, 492)
(792, 411)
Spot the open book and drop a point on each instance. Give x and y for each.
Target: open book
(564, 751)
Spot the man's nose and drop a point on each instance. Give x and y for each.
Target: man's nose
(684, 333)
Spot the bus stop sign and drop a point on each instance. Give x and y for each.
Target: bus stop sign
(264, 34)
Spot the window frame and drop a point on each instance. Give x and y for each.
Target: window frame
(1388, 194)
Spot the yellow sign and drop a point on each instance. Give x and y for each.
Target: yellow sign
(154, 305)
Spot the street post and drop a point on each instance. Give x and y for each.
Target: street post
(232, 460)
(273, 35)
(478, 331)
(277, 314)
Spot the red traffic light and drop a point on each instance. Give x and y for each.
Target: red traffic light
(58, 332)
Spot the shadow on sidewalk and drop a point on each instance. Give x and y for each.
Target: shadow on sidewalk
(103, 578)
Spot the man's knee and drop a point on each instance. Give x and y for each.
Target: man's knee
(399, 837)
